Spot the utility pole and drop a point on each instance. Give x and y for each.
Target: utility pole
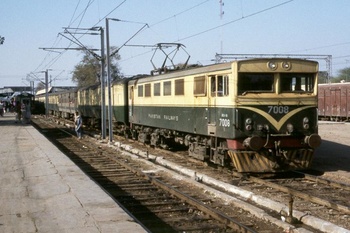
(108, 60)
(103, 80)
(100, 58)
(221, 2)
(46, 93)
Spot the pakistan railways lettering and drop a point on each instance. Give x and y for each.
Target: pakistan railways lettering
(165, 117)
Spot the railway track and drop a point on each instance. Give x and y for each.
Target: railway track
(157, 200)
(276, 189)
(309, 197)
(296, 207)
(326, 199)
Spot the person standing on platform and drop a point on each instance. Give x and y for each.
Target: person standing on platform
(18, 111)
(78, 124)
(27, 114)
(1, 109)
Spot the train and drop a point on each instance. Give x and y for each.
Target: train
(258, 115)
(334, 101)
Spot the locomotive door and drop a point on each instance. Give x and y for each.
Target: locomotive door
(211, 109)
(131, 102)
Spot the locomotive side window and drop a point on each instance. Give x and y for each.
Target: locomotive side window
(199, 87)
(179, 87)
(167, 88)
(255, 83)
(213, 85)
(140, 90)
(147, 90)
(156, 89)
(297, 82)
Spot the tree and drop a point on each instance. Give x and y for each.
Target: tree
(323, 77)
(40, 86)
(344, 74)
(88, 71)
(2, 40)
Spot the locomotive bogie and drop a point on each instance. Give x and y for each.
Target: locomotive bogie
(271, 161)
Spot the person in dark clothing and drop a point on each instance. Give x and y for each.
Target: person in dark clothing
(78, 124)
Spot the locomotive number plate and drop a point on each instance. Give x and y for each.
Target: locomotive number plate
(278, 109)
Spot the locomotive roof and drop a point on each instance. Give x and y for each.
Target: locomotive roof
(205, 69)
(185, 72)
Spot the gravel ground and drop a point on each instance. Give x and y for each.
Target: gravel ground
(333, 156)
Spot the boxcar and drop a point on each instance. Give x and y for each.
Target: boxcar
(334, 101)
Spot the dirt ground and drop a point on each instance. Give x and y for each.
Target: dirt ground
(333, 156)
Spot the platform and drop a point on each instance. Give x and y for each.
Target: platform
(44, 191)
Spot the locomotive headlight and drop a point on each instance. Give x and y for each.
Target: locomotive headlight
(290, 128)
(248, 124)
(272, 65)
(248, 121)
(306, 123)
(286, 65)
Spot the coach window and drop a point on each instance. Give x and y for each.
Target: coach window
(156, 89)
(140, 90)
(148, 90)
(179, 87)
(167, 88)
(199, 87)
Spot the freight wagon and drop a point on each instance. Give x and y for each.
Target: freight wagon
(334, 101)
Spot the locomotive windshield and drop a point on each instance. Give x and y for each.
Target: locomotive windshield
(264, 82)
(255, 82)
(295, 82)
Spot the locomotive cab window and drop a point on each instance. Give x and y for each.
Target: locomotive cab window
(255, 83)
(219, 85)
(297, 82)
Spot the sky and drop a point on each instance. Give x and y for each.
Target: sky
(35, 41)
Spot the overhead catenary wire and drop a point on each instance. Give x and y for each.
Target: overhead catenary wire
(179, 39)
(236, 20)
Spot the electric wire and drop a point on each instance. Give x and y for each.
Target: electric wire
(82, 14)
(235, 20)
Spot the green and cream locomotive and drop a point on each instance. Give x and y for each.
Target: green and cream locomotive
(261, 114)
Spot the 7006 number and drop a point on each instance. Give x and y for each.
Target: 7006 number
(278, 109)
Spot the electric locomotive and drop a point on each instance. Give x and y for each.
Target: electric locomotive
(259, 114)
